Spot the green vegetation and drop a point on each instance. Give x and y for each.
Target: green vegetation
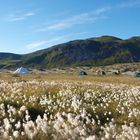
(104, 50)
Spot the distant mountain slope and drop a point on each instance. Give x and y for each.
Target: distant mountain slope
(10, 56)
(103, 50)
(9, 59)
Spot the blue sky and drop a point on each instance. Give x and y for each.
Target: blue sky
(30, 25)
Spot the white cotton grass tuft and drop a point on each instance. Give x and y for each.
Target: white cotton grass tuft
(16, 134)
(68, 110)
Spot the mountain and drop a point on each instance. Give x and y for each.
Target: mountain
(9, 59)
(104, 50)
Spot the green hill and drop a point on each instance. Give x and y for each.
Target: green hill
(103, 50)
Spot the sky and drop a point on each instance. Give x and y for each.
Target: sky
(30, 25)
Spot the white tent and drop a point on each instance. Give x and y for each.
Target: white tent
(22, 70)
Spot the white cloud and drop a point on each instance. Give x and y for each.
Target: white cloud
(130, 4)
(19, 17)
(83, 18)
(35, 45)
(45, 43)
(102, 10)
(29, 14)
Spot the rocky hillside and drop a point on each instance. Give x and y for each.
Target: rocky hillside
(103, 50)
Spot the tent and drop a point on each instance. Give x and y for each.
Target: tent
(137, 74)
(22, 70)
(82, 73)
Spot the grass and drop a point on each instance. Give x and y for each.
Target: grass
(114, 79)
(103, 98)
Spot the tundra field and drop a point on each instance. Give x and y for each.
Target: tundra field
(69, 107)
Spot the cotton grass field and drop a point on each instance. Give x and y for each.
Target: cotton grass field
(69, 107)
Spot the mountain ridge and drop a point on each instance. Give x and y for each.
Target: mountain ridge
(104, 50)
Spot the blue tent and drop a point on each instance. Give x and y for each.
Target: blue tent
(82, 73)
(137, 74)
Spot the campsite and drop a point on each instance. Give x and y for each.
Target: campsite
(60, 105)
(70, 70)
